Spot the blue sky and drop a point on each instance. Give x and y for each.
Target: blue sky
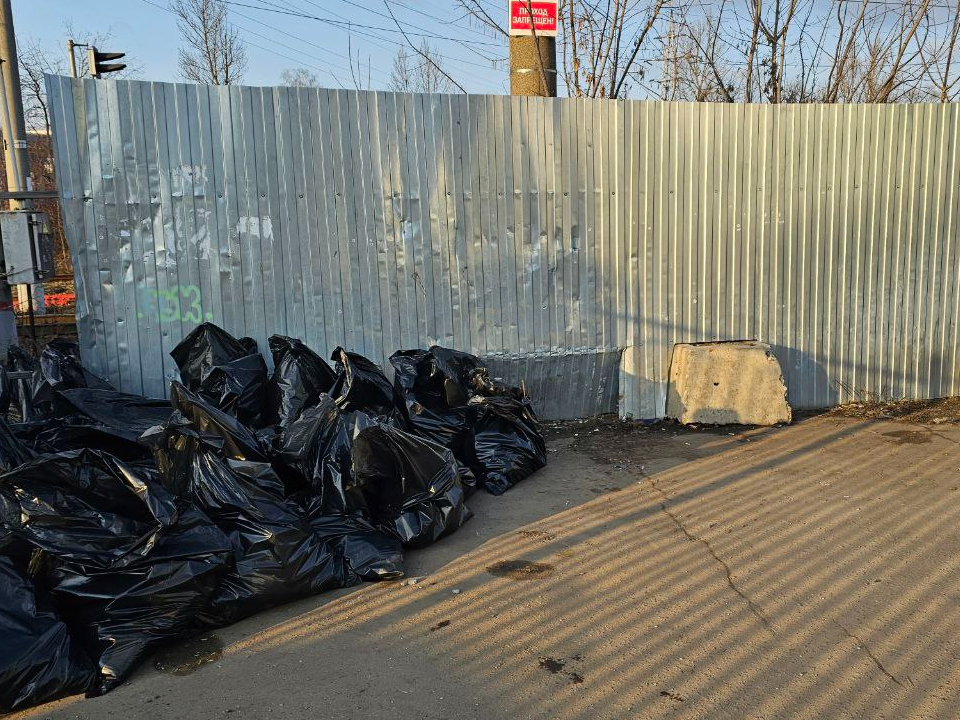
(278, 39)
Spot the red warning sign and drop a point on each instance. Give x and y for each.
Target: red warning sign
(544, 17)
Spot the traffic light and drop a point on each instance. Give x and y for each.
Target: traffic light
(99, 64)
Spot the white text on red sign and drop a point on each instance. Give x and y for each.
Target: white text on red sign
(544, 15)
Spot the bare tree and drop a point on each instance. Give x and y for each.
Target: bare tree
(942, 65)
(421, 73)
(427, 58)
(775, 51)
(299, 77)
(212, 51)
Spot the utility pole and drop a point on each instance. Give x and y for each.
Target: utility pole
(15, 155)
(15, 143)
(533, 47)
(25, 245)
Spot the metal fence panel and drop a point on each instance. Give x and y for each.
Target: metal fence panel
(571, 242)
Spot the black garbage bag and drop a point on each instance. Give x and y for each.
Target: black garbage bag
(128, 612)
(127, 565)
(412, 486)
(278, 555)
(508, 444)
(435, 395)
(86, 506)
(58, 368)
(99, 419)
(355, 464)
(239, 442)
(299, 377)
(129, 416)
(21, 394)
(6, 393)
(13, 451)
(77, 433)
(489, 426)
(361, 385)
(316, 454)
(38, 662)
(369, 553)
(226, 372)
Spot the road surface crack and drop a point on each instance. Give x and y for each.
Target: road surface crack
(751, 605)
(866, 648)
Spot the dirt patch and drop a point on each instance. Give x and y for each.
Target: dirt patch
(918, 412)
(628, 444)
(190, 656)
(909, 437)
(519, 569)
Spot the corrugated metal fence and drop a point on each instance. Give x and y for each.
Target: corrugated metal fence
(571, 241)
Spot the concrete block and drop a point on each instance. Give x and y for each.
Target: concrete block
(726, 383)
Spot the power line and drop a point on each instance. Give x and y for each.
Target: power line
(303, 40)
(326, 63)
(350, 27)
(465, 43)
(351, 24)
(270, 50)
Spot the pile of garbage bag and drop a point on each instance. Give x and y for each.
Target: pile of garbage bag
(127, 522)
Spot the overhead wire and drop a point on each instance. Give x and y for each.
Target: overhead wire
(270, 50)
(350, 27)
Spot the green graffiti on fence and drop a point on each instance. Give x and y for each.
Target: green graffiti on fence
(180, 303)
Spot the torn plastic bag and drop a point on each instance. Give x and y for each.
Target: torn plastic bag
(361, 385)
(299, 377)
(411, 485)
(39, 662)
(507, 442)
(13, 451)
(127, 564)
(278, 555)
(226, 372)
(239, 442)
(453, 375)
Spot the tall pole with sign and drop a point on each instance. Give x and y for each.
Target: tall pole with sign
(533, 47)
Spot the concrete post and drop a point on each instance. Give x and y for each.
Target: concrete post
(525, 75)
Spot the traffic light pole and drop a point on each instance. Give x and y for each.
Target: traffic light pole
(73, 58)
